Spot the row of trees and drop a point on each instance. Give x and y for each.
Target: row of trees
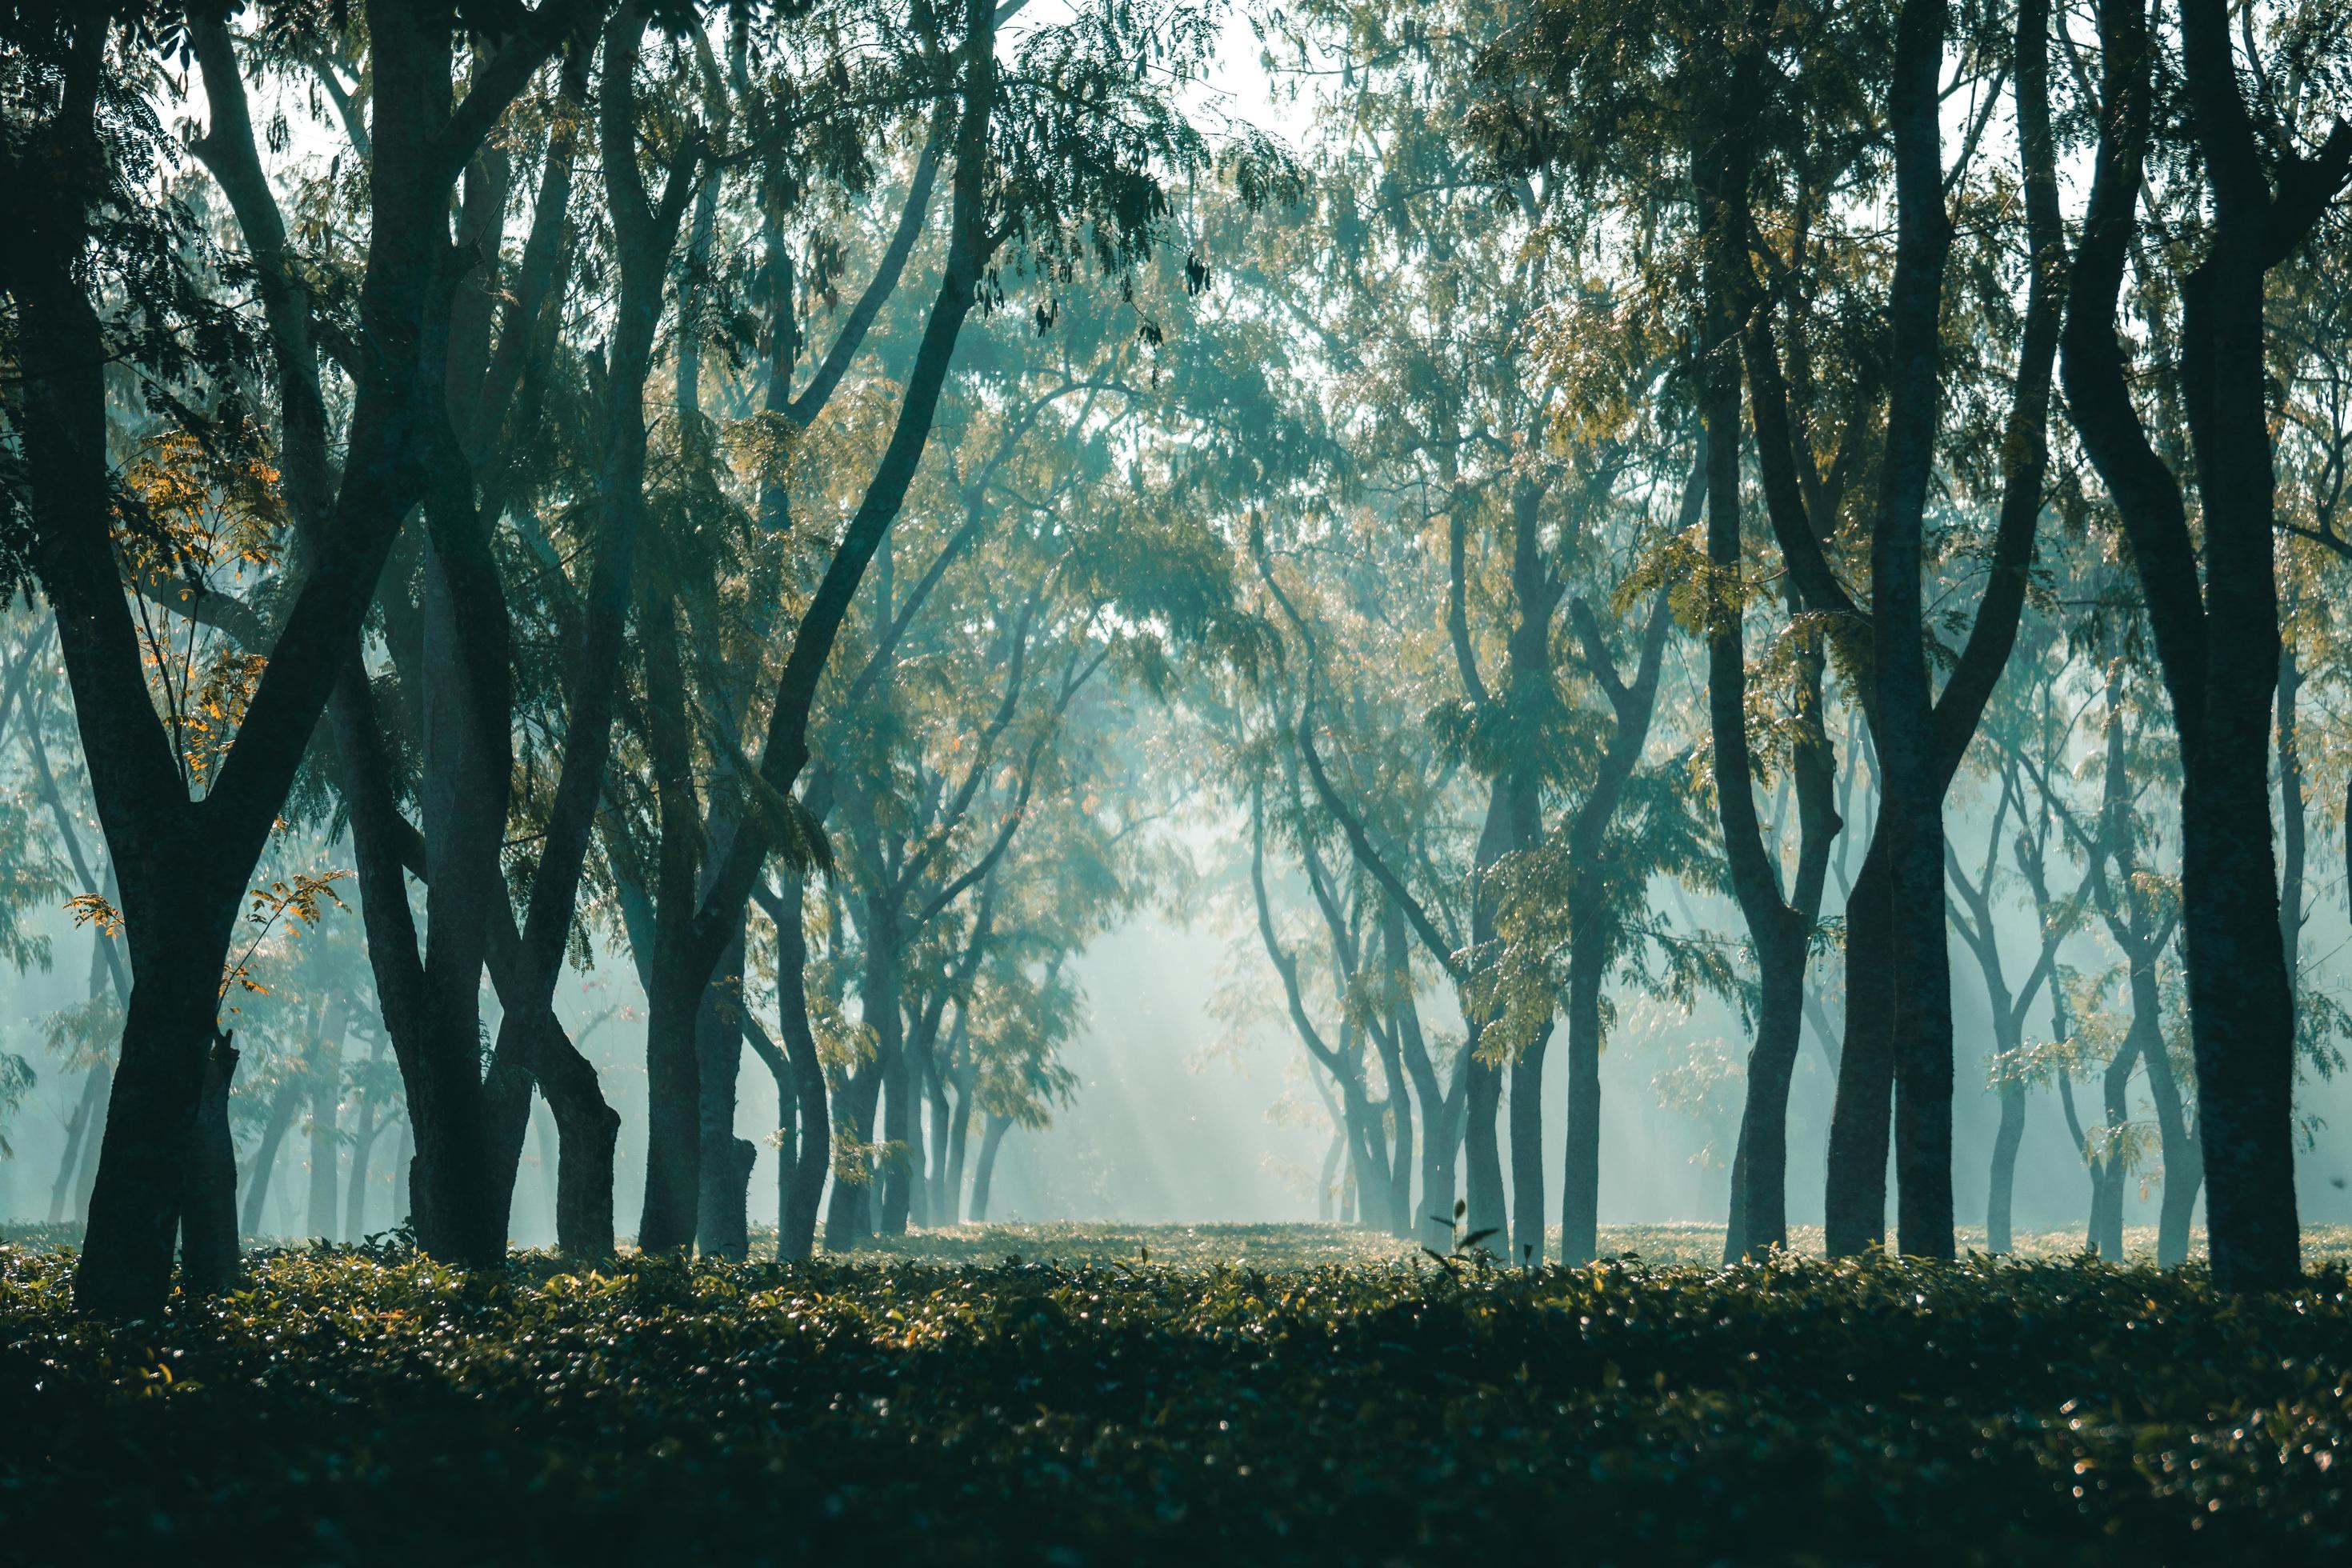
(472, 437)
(1772, 325)
(731, 484)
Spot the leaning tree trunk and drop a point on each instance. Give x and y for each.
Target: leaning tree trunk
(2184, 1165)
(992, 1139)
(2007, 1140)
(81, 1132)
(812, 1158)
(265, 1153)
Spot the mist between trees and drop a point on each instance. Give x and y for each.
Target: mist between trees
(622, 618)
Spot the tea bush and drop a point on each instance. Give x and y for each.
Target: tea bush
(350, 1405)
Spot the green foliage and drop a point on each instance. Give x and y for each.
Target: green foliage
(359, 1406)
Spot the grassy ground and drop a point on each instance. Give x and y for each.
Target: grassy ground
(1274, 1393)
(1307, 1246)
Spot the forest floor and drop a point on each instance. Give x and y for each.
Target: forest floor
(1074, 1395)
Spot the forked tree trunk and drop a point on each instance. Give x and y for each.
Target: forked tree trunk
(148, 1163)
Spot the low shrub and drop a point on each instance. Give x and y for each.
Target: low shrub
(356, 1406)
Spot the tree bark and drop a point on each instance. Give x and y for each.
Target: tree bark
(991, 1141)
(1527, 1240)
(208, 1249)
(722, 1227)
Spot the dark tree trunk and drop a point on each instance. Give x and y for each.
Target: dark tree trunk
(1527, 1150)
(1482, 1150)
(849, 1217)
(1854, 1196)
(721, 1225)
(1762, 1179)
(147, 1163)
(192, 858)
(2184, 1164)
(403, 1163)
(586, 1131)
(812, 1158)
(2214, 611)
(1904, 721)
(208, 1251)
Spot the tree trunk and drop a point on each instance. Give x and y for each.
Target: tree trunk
(265, 1153)
(1483, 1150)
(82, 1132)
(1855, 1193)
(721, 1225)
(813, 1157)
(2184, 1164)
(326, 1086)
(673, 1103)
(1527, 1150)
(2213, 610)
(958, 1142)
(939, 1199)
(2005, 1143)
(849, 1216)
(371, 1119)
(586, 1133)
(208, 1250)
(404, 1165)
(151, 1147)
(2107, 1206)
(1762, 1174)
(1579, 1217)
(1904, 721)
(994, 1139)
(1398, 1215)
